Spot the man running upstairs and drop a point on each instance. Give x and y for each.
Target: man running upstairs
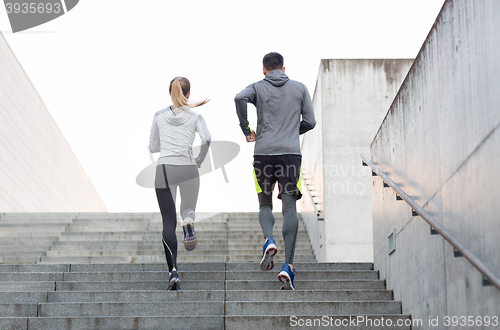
(284, 111)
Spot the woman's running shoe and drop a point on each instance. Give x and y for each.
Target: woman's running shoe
(190, 239)
(174, 281)
(268, 252)
(286, 277)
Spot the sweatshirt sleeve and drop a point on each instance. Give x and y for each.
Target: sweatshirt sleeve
(154, 137)
(241, 100)
(206, 138)
(308, 121)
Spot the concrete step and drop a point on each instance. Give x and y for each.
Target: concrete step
(308, 295)
(158, 267)
(365, 322)
(31, 221)
(38, 286)
(258, 285)
(155, 242)
(199, 251)
(131, 258)
(30, 234)
(162, 308)
(187, 275)
(127, 296)
(101, 238)
(160, 252)
(106, 220)
(120, 322)
(19, 310)
(34, 268)
(100, 229)
(299, 308)
(31, 226)
(124, 246)
(19, 260)
(97, 259)
(134, 286)
(299, 266)
(277, 259)
(141, 276)
(17, 297)
(304, 275)
(257, 252)
(29, 240)
(16, 253)
(194, 295)
(31, 276)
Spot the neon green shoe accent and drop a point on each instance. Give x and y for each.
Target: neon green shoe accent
(257, 186)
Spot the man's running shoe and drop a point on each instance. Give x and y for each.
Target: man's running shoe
(286, 277)
(174, 281)
(268, 253)
(190, 239)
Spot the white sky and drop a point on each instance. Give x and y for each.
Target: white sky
(103, 71)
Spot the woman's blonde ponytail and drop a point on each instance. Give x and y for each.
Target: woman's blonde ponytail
(179, 89)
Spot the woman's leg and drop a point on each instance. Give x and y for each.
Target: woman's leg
(189, 186)
(168, 214)
(189, 192)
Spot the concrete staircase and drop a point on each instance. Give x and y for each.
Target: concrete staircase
(108, 271)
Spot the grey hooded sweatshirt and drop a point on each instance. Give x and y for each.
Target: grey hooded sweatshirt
(172, 134)
(280, 103)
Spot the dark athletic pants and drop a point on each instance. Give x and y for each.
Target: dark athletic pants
(167, 179)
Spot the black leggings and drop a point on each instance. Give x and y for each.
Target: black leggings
(167, 179)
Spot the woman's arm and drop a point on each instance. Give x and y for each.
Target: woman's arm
(206, 138)
(154, 137)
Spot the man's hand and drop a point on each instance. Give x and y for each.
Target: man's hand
(251, 137)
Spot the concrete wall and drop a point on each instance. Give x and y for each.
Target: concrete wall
(440, 143)
(38, 170)
(312, 172)
(351, 99)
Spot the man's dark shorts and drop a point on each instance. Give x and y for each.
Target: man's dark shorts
(284, 169)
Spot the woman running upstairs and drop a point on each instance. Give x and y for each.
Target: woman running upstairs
(172, 134)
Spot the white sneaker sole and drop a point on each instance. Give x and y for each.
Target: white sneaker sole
(174, 283)
(267, 261)
(285, 279)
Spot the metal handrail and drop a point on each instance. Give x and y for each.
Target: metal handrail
(318, 213)
(487, 272)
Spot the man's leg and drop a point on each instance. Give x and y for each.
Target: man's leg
(289, 184)
(290, 225)
(266, 217)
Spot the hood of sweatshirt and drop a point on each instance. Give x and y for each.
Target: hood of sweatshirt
(276, 77)
(176, 117)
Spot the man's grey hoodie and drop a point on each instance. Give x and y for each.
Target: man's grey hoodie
(280, 103)
(172, 134)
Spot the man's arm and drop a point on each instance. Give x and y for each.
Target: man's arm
(308, 121)
(241, 100)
